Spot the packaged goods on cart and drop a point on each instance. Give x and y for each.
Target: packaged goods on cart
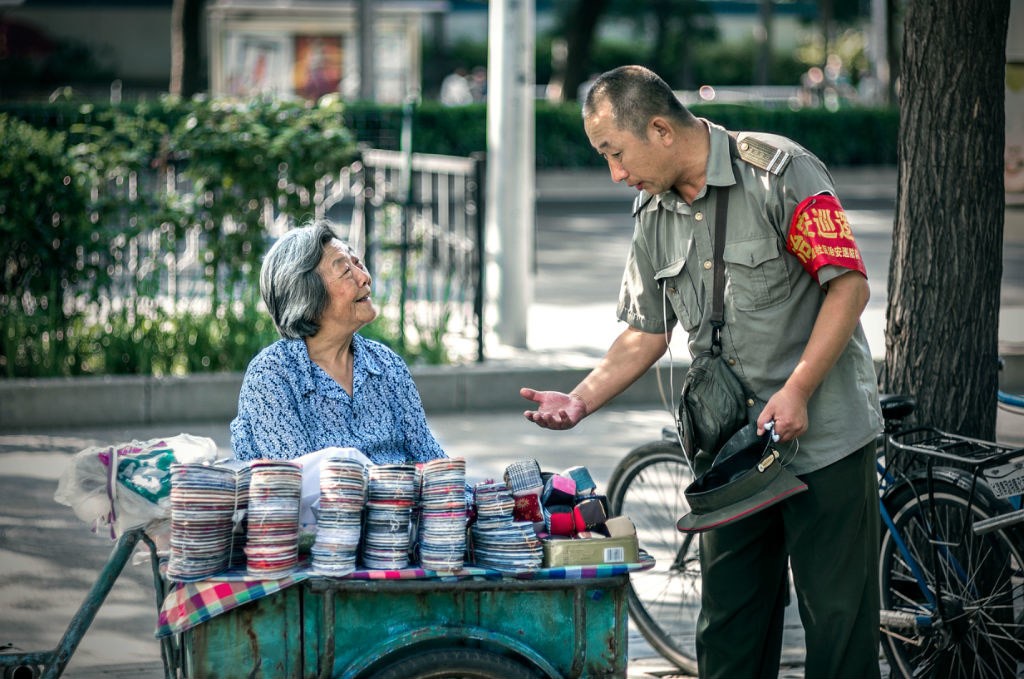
(127, 485)
(570, 516)
(578, 528)
(361, 516)
(617, 543)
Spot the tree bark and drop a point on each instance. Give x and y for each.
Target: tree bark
(942, 323)
(893, 47)
(580, 26)
(186, 65)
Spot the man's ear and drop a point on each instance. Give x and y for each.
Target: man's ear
(660, 130)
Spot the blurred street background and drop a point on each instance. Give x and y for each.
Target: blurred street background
(154, 148)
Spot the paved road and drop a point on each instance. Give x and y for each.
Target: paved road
(581, 248)
(49, 559)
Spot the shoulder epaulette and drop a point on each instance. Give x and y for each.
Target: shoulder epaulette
(640, 202)
(763, 155)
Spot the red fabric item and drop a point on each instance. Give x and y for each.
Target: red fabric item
(820, 234)
(527, 507)
(567, 523)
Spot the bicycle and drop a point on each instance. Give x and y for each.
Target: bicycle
(927, 619)
(952, 553)
(647, 486)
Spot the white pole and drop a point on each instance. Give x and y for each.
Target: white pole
(878, 50)
(510, 168)
(367, 66)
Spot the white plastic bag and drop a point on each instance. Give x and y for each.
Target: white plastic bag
(310, 463)
(128, 484)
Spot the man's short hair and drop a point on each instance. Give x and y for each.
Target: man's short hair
(292, 288)
(636, 95)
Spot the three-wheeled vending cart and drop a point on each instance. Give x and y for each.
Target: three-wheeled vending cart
(476, 623)
(552, 622)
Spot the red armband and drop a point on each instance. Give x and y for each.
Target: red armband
(820, 234)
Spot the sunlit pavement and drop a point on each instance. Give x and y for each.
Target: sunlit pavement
(49, 559)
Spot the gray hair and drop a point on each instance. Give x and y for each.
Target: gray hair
(636, 95)
(292, 288)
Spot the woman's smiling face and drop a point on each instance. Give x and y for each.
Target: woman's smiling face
(348, 288)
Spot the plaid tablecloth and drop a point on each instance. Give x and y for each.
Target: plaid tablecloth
(191, 603)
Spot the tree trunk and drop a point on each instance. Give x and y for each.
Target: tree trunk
(581, 24)
(942, 324)
(186, 65)
(825, 8)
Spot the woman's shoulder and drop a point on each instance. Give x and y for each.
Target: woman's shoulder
(377, 353)
(282, 355)
(374, 347)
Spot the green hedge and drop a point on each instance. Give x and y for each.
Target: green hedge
(82, 294)
(849, 136)
(68, 223)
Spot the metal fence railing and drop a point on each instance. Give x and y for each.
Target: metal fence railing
(419, 219)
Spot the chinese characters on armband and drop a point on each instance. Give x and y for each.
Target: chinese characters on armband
(820, 235)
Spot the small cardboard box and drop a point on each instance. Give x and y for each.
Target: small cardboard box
(619, 527)
(590, 551)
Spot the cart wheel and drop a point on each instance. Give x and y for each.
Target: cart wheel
(456, 663)
(22, 672)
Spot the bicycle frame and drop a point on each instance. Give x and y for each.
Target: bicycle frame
(886, 481)
(940, 552)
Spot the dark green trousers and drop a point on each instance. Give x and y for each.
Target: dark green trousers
(830, 535)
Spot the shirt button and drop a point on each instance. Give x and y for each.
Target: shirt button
(744, 146)
(750, 403)
(699, 216)
(708, 264)
(732, 361)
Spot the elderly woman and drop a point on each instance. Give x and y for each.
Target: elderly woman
(322, 384)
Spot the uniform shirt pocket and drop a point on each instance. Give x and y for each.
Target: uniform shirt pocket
(758, 276)
(680, 284)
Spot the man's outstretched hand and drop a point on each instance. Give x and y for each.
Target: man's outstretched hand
(555, 410)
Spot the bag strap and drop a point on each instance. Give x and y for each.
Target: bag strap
(718, 291)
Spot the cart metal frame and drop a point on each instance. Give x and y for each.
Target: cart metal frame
(350, 629)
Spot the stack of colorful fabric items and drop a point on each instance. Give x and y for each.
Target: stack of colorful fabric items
(203, 503)
(339, 516)
(524, 479)
(442, 527)
(392, 494)
(499, 541)
(272, 543)
(571, 506)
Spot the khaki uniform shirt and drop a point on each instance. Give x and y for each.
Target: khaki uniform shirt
(771, 302)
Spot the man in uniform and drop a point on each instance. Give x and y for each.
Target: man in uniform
(796, 286)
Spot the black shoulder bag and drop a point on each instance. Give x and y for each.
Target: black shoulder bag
(714, 403)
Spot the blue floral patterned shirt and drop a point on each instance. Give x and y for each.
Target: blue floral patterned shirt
(290, 406)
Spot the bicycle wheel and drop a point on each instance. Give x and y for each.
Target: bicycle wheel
(647, 486)
(980, 632)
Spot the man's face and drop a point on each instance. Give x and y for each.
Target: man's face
(639, 162)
